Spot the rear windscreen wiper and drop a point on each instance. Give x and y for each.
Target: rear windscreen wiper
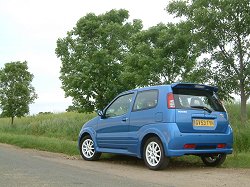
(202, 107)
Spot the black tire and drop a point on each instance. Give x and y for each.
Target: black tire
(213, 160)
(87, 149)
(153, 154)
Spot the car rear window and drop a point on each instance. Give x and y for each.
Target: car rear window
(193, 99)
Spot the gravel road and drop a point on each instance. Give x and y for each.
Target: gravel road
(26, 167)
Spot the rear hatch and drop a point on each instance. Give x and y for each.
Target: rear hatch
(198, 109)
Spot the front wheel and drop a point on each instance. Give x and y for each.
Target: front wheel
(87, 149)
(213, 160)
(153, 154)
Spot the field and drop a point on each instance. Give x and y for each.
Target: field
(50, 132)
(59, 133)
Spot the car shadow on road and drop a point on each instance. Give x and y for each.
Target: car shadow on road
(175, 163)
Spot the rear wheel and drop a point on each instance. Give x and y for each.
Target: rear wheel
(87, 149)
(213, 160)
(153, 154)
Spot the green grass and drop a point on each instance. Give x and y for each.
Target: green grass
(40, 143)
(59, 133)
(239, 160)
(61, 126)
(241, 131)
(47, 132)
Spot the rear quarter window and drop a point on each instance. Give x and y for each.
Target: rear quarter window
(146, 100)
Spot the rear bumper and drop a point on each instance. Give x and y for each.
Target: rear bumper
(206, 143)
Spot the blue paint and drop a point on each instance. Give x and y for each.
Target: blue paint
(124, 134)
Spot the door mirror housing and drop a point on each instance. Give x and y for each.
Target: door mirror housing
(100, 113)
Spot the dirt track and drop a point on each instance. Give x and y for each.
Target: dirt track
(25, 167)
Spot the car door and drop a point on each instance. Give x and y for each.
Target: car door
(144, 112)
(112, 130)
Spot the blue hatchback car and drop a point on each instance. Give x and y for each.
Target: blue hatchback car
(159, 122)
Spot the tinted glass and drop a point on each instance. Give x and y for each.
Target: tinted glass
(120, 106)
(191, 99)
(146, 100)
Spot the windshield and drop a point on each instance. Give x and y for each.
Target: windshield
(197, 99)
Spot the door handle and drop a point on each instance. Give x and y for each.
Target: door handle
(124, 119)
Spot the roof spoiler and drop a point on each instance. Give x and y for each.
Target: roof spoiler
(194, 86)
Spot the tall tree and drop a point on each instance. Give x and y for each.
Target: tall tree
(16, 91)
(221, 28)
(92, 56)
(162, 54)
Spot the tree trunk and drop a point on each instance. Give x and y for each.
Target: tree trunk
(243, 96)
(243, 103)
(12, 120)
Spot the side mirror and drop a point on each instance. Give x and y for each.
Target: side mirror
(100, 113)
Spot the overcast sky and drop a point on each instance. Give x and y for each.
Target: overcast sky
(29, 30)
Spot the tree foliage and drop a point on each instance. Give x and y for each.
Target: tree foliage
(162, 54)
(16, 91)
(92, 56)
(221, 28)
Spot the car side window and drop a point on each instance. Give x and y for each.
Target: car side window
(120, 106)
(146, 100)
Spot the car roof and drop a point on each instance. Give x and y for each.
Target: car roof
(147, 88)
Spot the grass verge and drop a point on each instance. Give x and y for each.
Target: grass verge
(239, 160)
(40, 143)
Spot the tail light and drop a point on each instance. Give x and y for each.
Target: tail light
(171, 104)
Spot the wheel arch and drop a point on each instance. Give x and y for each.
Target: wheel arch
(86, 132)
(148, 135)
